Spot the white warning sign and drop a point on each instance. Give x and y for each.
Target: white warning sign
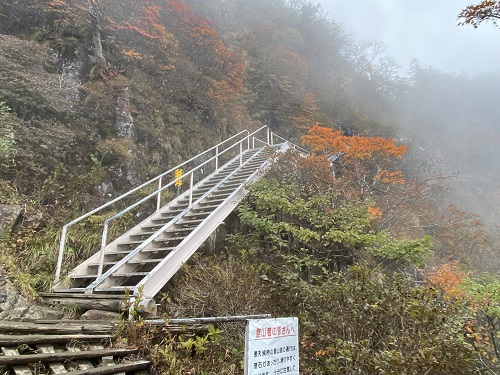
(272, 347)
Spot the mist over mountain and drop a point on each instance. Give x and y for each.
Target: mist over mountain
(426, 31)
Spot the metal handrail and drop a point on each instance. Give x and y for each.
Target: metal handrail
(190, 173)
(101, 277)
(158, 178)
(295, 147)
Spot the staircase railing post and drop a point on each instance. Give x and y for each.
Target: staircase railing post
(158, 200)
(104, 239)
(191, 190)
(60, 255)
(217, 157)
(272, 142)
(268, 136)
(253, 142)
(241, 153)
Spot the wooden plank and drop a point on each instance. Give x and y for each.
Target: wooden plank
(121, 297)
(114, 369)
(115, 305)
(55, 367)
(8, 340)
(105, 361)
(61, 328)
(83, 364)
(66, 356)
(18, 370)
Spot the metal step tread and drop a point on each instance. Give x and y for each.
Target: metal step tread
(190, 222)
(159, 249)
(175, 238)
(95, 264)
(205, 208)
(91, 276)
(145, 261)
(131, 274)
(120, 288)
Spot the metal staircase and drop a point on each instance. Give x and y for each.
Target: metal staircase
(141, 260)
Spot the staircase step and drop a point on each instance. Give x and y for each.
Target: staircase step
(105, 264)
(204, 208)
(119, 288)
(189, 222)
(136, 243)
(145, 261)
(175, 238)
(163, 220)
(130, 243)
(159, 249)
(84, 276)
(193, 214)
(118, 252)
(210, 201)
(180, 230)
(131, 274)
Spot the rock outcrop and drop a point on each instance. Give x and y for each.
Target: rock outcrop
(13, 306)
(9, 215)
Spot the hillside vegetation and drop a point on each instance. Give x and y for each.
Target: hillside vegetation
(386, 270)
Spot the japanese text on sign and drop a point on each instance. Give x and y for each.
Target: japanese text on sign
(178, 174)
(272, 347)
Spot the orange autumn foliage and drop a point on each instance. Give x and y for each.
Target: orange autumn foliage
(327, 141)
(387, 177)
(447, 278)
(364, 162)
(375, 212)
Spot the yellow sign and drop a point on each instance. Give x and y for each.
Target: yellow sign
(178, 174)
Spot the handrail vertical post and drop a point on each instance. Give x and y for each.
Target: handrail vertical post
(241, 153)
(61, 252)
(191, 190)
(158, 201)
(253, 142)
(103, 249)
(268, 136)
(217, 157)
(272, 142)
(248, 143)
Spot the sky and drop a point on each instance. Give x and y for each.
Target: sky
(425, 29)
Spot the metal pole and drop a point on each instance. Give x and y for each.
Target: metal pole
(191, 190)
(241, 153)
(268, 136)
(103, 248)
(272, 142)
(158, 202)
(61, 252)
(216, 157)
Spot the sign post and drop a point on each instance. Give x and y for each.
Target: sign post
(178, 183)
(272, 347)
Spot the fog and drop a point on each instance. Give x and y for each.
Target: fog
(425, 30)
(451, 111)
